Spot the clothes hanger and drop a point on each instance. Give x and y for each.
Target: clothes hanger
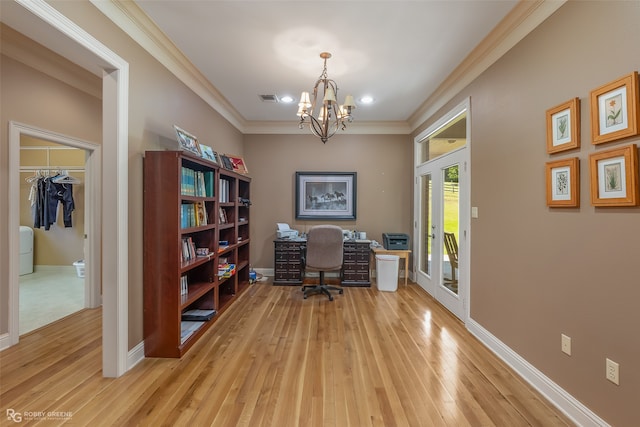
(65, 178)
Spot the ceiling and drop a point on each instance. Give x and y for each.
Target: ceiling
(398, 52)
(410, 56)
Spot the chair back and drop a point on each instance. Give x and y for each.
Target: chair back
(324, 247)
(451, 246)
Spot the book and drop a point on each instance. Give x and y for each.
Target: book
(187, 328)
(198, 315)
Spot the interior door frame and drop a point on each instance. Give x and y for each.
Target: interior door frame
(43, 23)
(464, 223)
(93, 226)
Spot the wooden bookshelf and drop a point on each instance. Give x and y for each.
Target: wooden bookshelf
(183, 198)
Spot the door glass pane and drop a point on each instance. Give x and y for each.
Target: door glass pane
(451, 211)
(427, 223)
(449, 137)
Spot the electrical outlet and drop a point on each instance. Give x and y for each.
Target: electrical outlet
(565, 345)
(613, 372)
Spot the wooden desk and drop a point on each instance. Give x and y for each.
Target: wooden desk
(402, 253)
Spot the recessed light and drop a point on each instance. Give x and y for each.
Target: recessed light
(287, 99)
(366, 99)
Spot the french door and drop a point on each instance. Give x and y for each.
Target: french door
(438, 267)
(441, 201)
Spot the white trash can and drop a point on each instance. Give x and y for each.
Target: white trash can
(387, 272)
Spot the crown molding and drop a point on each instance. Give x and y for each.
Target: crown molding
(524, 17)
(355, 128)
(518, 23)
(134, 22)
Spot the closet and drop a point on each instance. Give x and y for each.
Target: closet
(52, 205)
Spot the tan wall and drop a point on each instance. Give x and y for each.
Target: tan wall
(538, 272)
(384, 183)
(31, 97)
(157, 100)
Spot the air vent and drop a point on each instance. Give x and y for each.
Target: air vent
(269, 98)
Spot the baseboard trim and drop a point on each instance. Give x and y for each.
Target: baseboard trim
(559, 397)
(5, 341)
(135, 355)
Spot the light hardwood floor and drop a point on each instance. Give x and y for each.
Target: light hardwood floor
(368, 358)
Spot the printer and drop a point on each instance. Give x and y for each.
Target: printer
(285, 232)
(392, 241)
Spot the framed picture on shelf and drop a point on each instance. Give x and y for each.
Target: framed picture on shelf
(615, 110)
(563, 183)
(614, 177)
(325, 195)
(226, 162)
(208, 153)
(563, 126)
(187, 141)
(238, 164)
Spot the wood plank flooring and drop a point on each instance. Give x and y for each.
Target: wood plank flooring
(368, 358)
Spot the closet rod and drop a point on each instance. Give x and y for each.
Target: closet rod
(51, 168)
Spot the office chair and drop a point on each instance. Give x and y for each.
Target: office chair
(451, 246)
(324, 253)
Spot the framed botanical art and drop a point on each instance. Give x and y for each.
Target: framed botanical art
(614, 177)
(326, 195)
(563, 126)
(615, 111)
(187, 141)
(563, 183)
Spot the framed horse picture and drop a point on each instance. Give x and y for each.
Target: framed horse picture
(326, 195)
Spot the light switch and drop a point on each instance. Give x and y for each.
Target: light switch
(474, 212)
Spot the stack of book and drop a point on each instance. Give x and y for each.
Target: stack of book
(226, 270)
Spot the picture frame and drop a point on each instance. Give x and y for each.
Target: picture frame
(563, 183)
(615, 111)
(238, 164)
(563, 126)
(225, 162)
(614, 177)
(187, 141)
(208, 153)
(326, 195)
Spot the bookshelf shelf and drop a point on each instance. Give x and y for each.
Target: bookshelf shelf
(190, 205)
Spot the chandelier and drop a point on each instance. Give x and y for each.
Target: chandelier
(322, 112)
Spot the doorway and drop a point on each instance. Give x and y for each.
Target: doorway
(441, 211)
(55, 265)
(44, 24)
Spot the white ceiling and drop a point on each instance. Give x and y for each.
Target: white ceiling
(410, 56)
(399, 52)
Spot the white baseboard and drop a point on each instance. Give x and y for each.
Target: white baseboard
(572, 408)
(135, 355)
(5, 342)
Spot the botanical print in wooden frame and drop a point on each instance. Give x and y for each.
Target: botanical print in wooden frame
(615, 111)
(614, 177)
(563, 126)
(563, 183)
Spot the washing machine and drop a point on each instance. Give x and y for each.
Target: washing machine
(26, 250)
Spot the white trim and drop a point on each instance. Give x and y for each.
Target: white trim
(135, 355)
(115, 196)
(523, 19)
(566, 403)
